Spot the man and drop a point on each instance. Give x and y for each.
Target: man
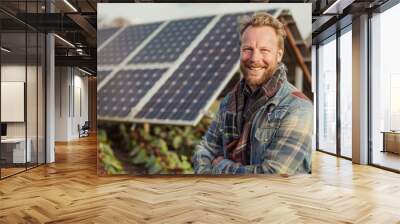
(265, 124)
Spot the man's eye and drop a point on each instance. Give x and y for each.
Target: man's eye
(246, 49)
(265, 50)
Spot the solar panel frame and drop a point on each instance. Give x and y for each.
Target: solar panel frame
(106, 67)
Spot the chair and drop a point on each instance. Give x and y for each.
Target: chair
(84, 130)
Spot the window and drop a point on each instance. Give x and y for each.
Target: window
(385, 88)
(346, 93)
(327, 96)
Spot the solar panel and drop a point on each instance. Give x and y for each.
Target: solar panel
(123, 44)
(101, 75)
(104, 34)
(124, 91)
(211, 57)
(171, 41)
(189, 89)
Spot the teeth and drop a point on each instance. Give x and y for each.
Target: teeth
(255, 69)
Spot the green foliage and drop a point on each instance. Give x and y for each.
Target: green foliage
(108, 160)
(164, 149)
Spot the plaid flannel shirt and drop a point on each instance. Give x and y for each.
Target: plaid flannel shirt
(280, 137)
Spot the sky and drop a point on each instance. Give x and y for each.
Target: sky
(138, 13)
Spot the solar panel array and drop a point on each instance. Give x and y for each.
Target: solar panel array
(193, 83)
(123, 44)
(179, 93)
(171, 41)
(124, 91)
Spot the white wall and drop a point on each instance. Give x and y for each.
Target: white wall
(17, 73)
(71, 87)
(79, 112)
(62, 81)
(13, 73)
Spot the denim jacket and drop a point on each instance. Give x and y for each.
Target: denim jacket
(281, 136)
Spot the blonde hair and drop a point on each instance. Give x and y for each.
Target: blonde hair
(264, 19)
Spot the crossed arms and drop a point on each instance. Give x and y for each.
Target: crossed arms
(287, 154)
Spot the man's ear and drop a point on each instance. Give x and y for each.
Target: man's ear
(280, 55)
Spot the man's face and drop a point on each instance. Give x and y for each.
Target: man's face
(259, 54)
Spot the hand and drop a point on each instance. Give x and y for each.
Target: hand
(217, 160)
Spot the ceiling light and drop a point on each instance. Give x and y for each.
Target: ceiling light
(65, 41)
(5, 50)
(71, 6)
(338, 6)
(84, 71)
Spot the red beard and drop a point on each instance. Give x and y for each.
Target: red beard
(252, 81)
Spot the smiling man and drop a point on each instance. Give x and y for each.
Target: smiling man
(265, 124)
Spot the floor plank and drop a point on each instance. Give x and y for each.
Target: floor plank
(69, 191)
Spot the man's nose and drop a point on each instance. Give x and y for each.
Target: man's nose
(255, 56)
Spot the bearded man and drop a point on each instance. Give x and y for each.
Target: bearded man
(265, 124)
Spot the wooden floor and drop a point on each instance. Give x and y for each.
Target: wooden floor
(69, 191)
(10, 171)
(387, 159)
